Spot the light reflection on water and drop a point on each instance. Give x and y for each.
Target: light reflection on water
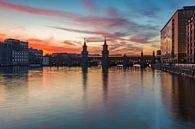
(95, 98)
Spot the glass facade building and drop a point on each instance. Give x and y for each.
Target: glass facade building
(167, 42)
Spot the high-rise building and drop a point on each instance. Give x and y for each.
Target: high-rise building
(173, 36)
(105, 54)
(190, 39)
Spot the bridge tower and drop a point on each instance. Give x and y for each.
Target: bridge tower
(142, 62)
(84, 53)
(105, 54)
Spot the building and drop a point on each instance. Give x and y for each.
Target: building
(190, 39)
(14, 53)
(158, 53)
(105, 55)
(35, 56)
(158, 56)
(5, 54)
(173, 36)
(1, 49)
(65, 59)
(45, 61)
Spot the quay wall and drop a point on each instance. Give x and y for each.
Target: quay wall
(180, 69)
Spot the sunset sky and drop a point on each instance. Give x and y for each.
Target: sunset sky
(61, 25)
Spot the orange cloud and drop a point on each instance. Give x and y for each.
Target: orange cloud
(50, 47)
(2, 37)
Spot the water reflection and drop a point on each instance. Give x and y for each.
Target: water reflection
(14, 79)
(76, 98)
(105, 83)
(183, 103)
(178, 94)
(13, 88)
(14, 70)
(84, 75)
(142, 76)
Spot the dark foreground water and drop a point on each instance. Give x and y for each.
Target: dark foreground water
(69, 98)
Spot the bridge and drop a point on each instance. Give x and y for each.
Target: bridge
(105, 59)
(122, 60)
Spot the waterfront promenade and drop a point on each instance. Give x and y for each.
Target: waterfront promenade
(180, 69)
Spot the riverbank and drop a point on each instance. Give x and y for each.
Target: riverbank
(179, 69)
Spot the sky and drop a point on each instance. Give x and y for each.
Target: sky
(130, 26)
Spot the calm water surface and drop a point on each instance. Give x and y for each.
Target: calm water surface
(72, 98)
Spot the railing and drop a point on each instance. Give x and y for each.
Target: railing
(191, 66)
(182, 69)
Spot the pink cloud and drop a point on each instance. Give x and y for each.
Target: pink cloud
(85, 31)
(139, 39)
(36, 11)
(103, 22)
(101, 40)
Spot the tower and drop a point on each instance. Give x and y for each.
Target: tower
(142, 59)
(84, 54)
(105, 54)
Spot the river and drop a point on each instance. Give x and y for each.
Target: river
(75, 98)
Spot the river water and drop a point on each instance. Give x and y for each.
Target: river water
(75, 98)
